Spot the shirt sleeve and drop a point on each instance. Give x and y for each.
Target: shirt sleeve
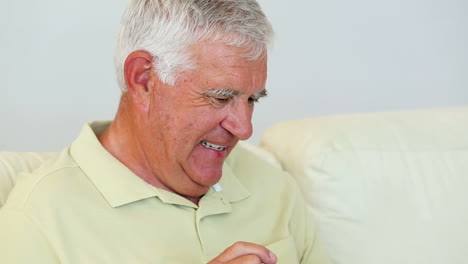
(304, 230)
(22, 241)
(314, 253)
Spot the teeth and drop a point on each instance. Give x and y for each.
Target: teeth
(209, 145)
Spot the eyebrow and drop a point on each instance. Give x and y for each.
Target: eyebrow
(261, 94)
(221, 92)
(231, 93)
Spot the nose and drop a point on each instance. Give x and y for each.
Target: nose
(239, 121)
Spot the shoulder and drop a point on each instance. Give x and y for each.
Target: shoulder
(52, 181)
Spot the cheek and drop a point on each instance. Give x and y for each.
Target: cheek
(207, 121)
(179, 129)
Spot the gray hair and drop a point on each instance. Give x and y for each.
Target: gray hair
(166, 28)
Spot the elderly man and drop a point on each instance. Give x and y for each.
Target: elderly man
(155, 185)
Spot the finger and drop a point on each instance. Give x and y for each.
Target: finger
(246, 259)
(240, 249)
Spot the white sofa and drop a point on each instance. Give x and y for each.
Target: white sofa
(382, 187)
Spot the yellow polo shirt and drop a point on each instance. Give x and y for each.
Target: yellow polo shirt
(87, 207)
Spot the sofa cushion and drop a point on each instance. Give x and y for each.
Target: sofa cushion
(14, 164)
(384, 187)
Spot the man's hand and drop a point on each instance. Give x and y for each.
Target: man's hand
(245, 253)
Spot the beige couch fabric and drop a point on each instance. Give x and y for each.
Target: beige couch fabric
(384, 187)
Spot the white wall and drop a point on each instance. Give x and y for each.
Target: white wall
(329, 57)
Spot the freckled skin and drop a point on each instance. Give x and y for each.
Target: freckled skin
(164, 147)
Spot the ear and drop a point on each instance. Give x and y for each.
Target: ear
(137, 72)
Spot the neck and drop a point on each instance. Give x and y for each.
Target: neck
(121, 141)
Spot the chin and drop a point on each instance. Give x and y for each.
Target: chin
(208, 177)
(194, 191)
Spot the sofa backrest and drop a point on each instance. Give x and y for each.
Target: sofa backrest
(385, 187)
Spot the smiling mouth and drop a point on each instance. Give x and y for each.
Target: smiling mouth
(209, 145)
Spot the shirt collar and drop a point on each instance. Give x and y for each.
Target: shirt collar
(233, 190)
(120, 186)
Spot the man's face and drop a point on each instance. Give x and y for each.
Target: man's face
(192, 126)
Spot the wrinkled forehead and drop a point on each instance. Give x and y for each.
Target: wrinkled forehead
(219, 67)
(208, 53)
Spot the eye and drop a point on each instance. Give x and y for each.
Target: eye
(222, 100)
